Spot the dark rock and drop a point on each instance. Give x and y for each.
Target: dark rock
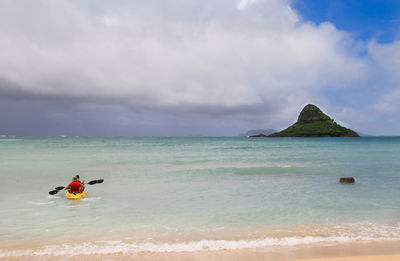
(347, 180)
(310, 114)
(312, 122)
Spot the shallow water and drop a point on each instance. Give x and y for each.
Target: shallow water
(197, 193)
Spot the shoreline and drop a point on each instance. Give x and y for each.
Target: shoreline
(393, 257)
(355, 251)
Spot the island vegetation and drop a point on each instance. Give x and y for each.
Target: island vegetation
(312, 122)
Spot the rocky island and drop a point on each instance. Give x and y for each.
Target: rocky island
(312, 122)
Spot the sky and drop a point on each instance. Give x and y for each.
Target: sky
(189, 67)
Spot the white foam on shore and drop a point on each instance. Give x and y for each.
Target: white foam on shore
(120, 247)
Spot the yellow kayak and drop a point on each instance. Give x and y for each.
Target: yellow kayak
(75, 196)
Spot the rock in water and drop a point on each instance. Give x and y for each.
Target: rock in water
(312, 122)
(347, 180)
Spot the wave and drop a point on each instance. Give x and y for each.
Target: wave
(8, 140)
(91, 199)
(113, 247)
(41, 203)
(260, 170)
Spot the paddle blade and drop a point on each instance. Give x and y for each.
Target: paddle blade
(92, 182)
(53, 192)
(100, 180)
(60, 188)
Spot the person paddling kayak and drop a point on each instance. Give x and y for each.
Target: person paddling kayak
(82, 183)
(75, 186)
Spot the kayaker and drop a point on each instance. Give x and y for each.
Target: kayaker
(75, 186)
(82, 183)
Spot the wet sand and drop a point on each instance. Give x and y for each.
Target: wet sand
(358, 251)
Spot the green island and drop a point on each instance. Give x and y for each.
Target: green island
(312, 122)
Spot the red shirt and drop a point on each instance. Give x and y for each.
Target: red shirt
(75, 185)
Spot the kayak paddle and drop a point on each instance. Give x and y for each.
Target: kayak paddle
(96, 181)
(57, 189)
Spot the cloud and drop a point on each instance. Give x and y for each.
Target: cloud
(189, 61)
(386, 59)
(244, 3)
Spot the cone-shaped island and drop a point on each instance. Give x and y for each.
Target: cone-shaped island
(312, 122)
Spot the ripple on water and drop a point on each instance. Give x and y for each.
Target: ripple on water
(41, 203)
(91, 199)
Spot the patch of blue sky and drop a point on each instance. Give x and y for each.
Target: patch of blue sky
(377, 20)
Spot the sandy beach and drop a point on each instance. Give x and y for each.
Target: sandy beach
(358, 251)
(359, 258)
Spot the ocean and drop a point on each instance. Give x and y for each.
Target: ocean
(173, 194)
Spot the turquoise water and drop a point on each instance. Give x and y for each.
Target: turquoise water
(196, 193)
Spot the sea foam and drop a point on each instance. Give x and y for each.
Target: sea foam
(113, 247)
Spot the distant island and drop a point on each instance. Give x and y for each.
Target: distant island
(312, 122)
(365, 134)
(264, 132)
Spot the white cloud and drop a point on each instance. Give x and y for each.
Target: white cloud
(244, 3)
(386, 59)
(202, 57)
